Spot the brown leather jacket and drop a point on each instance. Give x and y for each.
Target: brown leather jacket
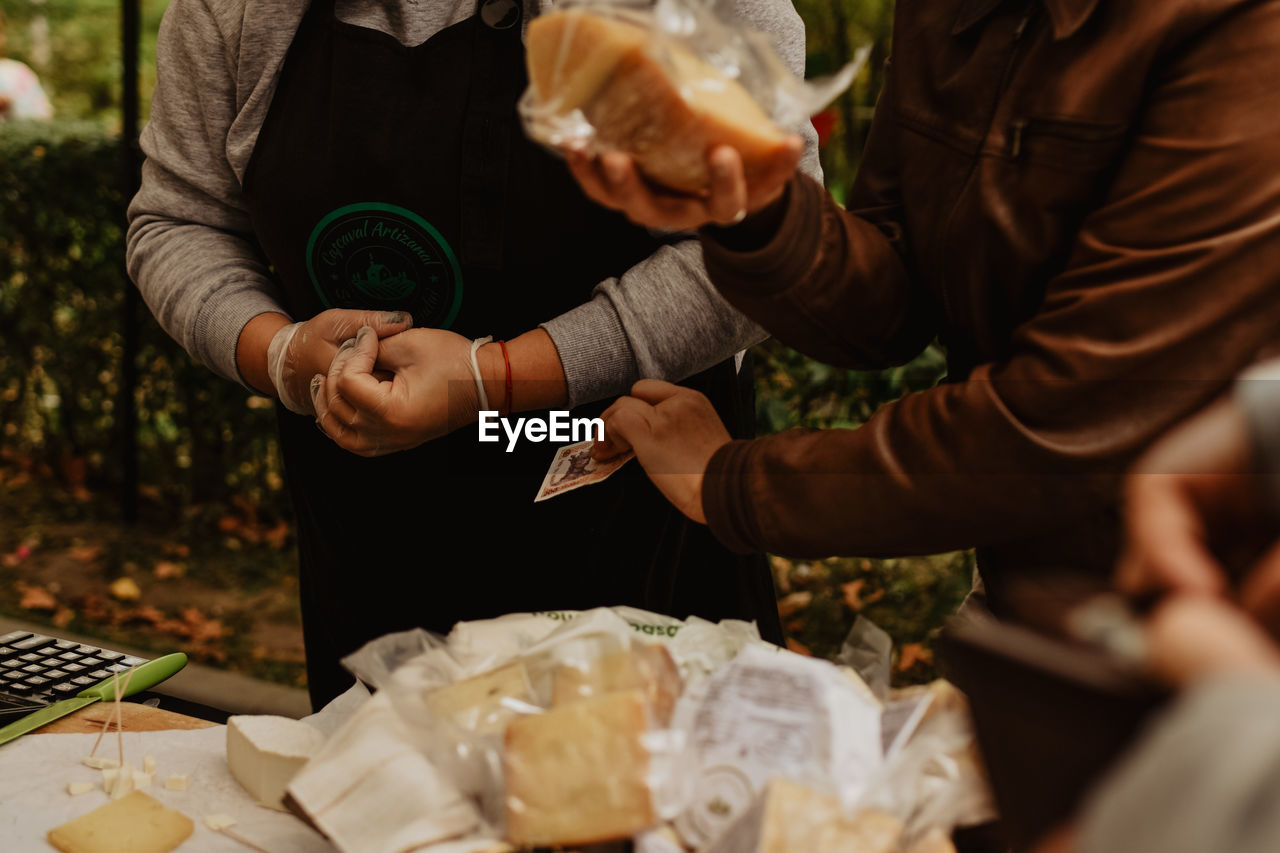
(1081, 200)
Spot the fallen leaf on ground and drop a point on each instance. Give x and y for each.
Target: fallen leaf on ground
(125, 589)
(85, 553)
(853, 594)
(145, 613)
(912, 654)
(95, 608)
(37, 598)
(203, 629)
(793, 602)
(63, 617)
(277, 536)
(166, 569)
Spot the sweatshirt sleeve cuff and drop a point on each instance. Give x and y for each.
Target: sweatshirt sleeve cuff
(1257, 392)
(220, 321)
(784, 259)
(595, 353)
(726, 498)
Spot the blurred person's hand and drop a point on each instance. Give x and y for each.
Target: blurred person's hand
(430, 390)
(613, 181)
(674, 432)
(1197, 514)
(299, 351)
(1191, 637)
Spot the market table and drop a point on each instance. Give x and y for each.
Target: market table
(35, 771)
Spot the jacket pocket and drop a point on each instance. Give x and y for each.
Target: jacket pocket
(1065, 144)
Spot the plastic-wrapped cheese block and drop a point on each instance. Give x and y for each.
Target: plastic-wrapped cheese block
(264, 753)
(579, 774)
(769, 714)
(482, 703)
(646, 666)
(134, 824)
(869, 832)
(661, 104)
(370, 790)
(790, 818)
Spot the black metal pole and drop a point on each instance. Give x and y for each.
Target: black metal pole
(130, 26)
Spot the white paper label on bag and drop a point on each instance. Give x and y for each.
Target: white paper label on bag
(769, 714)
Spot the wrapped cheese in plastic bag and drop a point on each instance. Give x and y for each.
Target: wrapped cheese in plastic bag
(665, 84)
(566, 743)
(935, 780)
(767, 714)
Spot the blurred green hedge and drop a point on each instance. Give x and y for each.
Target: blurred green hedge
(62, 284)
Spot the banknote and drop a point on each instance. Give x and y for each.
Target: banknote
(574, 468)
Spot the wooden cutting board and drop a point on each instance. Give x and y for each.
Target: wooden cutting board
(134, 718)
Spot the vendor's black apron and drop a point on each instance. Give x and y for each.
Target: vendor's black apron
(399, 178)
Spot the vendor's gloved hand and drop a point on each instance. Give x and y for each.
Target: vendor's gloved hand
(674, 432)
(613, 181)
(431, 391)
(300, 351)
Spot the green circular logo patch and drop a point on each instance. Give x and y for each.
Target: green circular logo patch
(384, 257)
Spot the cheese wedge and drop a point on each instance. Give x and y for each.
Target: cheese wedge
(134, 824)
(578, 774)
(659, 103)
(264, 753)
(649, 667)
(480, 703)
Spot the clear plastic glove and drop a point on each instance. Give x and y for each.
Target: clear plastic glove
(300, 351)
(431, 391)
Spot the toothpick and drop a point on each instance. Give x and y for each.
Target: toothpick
(120, 711)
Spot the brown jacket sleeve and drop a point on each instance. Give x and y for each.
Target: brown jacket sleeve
(1170, 289)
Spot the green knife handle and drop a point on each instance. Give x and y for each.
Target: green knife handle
(145, 676)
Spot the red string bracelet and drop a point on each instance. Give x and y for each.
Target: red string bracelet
(507, 358)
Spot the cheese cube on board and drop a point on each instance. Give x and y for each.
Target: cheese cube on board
(666, 112)
(265, 752)
(136, 823)
(579, 774)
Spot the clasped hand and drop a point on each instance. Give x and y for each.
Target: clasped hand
(381, 397)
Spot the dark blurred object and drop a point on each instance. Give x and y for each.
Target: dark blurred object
(1051, 714)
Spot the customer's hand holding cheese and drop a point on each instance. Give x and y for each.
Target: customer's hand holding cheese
(613, 181)
(1078, 200)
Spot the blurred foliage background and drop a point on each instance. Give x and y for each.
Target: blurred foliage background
(214, 508)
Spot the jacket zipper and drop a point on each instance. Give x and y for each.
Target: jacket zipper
(1019, 31)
